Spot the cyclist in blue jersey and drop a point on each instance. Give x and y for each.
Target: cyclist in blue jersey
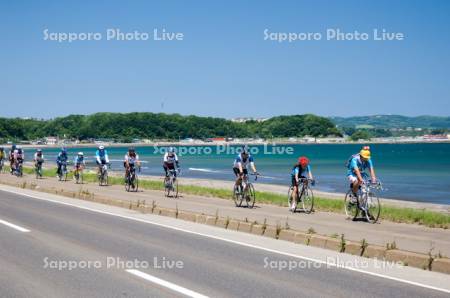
(301, 170)
(241, 163)
(356, 167)
(78, 162)
(101, 157)
(61, 158)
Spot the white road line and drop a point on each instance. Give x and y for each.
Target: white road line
(20, 229)
(166, 284)
(236, 242)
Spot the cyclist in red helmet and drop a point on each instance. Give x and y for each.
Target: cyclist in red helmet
(301, 170)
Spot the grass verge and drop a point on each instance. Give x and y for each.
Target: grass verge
(391, 213)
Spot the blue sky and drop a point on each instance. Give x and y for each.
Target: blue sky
(224, 67)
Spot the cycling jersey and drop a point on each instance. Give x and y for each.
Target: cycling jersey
(301, 172)
(243, 162)
(102, 155)
(19, 154)
(170, 160)
(356, 162)
(131, 159)
(78, 160)
(62, 157)
(38, 158)
(2, 155)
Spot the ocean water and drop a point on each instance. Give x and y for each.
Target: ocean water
(415, 172)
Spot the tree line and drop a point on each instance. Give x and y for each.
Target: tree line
(127, 126)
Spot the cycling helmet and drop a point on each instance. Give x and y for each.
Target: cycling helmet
(131, 149)
(171, 150)
(303, 161)
(101, 147)
(39, 150)
(80, 154)
(365, 153)
(244, 149)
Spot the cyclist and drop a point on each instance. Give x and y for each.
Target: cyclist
(240, 165)
(18, 157)
(11, 158)
(301, 170)
(170, 162)
(61, 159)
(2, 156)
(38, 158)
(357, 164)
(131, 160)
(78, 162)
(101, 157)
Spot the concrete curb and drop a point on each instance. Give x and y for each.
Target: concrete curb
(423, 261)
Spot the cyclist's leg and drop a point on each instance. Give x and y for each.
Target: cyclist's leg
(237, 175)
(354, 184)
(294, 194)
(166, 169)
(126, 170)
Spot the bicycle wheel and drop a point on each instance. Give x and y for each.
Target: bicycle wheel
(308, 200)
(37, 172)
(373, 208)
(175, 188)
(237, 196)
(136, 183)
(350, 205)
(127, 184)
(250, 196)
(167, 186)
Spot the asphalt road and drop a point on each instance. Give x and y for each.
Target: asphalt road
(410, 237)
(59, 234)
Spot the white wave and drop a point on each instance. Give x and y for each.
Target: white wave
(204, 170)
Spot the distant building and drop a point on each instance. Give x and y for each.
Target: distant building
(51, 140)
(245, 119)
(435, 137)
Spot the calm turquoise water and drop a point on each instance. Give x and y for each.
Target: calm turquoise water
(416, 172)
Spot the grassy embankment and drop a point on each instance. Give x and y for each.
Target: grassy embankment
(395, 214)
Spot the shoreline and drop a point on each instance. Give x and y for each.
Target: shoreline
(222, 143)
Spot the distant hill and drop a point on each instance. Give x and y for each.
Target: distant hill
(392, 121)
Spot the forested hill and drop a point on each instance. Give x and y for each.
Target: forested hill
(127, 126)
(393, 121)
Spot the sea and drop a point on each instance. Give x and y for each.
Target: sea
(414, 172)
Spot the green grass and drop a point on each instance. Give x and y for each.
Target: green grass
(391, 213)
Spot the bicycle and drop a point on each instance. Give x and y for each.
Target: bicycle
(304, 195)
(171, 184)
(132, 180)
(245, 191)
(38, 169)
(367, 202)
(18, 170)
(103, 175)
(62, 174)
(78, 174)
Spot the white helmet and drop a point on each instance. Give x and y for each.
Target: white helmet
(80, 153)
(101, 147)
